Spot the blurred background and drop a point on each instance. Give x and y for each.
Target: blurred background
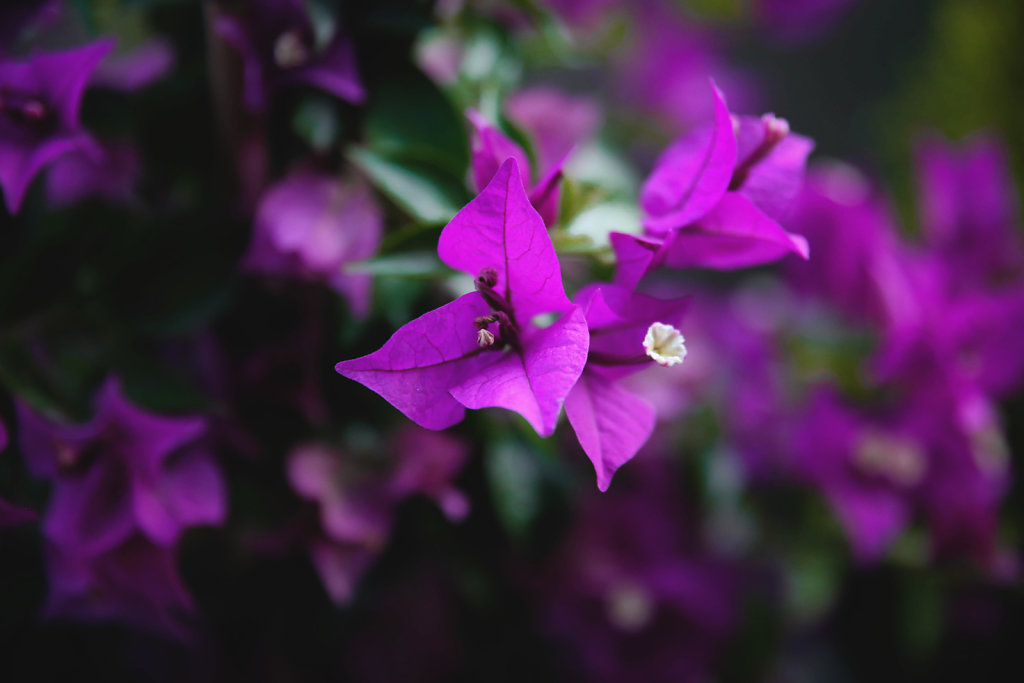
(189, 492)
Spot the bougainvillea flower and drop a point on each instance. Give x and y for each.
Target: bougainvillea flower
(633, 596)
(484, 349)
(943, 328)
(311, 225)
(491, 148)
(867, 471)
(715, 195)
(969, 208)
(357, 496)
(279, 48)
(692, 174)
(125, 471)
(962, 494)
(852, 231)
(628, 332)
(40, 100)
(136, 582)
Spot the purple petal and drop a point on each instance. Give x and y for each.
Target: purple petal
(111, 175)
(19, 164)
(500, 229)
(423, 359)
(536, 382)
(311, 225)
(189, 492)
(692, 174)
(63, 76)
(635, 256)
(232, 31)
(91, 513)
(13, 515)
(491, 148)
(736, 234)
(872, 518)
(138, 68)
(557, 122)
(340, 567)
(334, 72)
(150, 438)
(610, 422)
(773, 181)
(137, 583)
(547, 193)
(314, 472)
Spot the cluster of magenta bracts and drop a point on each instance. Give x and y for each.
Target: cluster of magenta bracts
(946, 314)
(712, 201)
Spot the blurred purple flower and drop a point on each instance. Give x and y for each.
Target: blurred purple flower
(40, 99)
(867, 470)
(491, 148)
(280, 47)
(311, 225)
(124, 472)
(483, 349)
(853, 234)
(358, 498)
(943, 330)
(555, 121)
(969, 209)
(135, 582)
(633, 596)
(109, 171)
(136, 68)
(627, 332)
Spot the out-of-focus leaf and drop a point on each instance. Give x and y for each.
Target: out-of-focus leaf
(411, 120)
(316, 122)
(923, 613)
(515, 480)
(814, 579)
(396, 298)
(596, 222)
(425, 193)
(596, 165)
(408, 265)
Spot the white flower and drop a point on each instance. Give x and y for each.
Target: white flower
(665, 344)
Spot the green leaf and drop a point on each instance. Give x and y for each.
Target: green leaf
(596, 222)
(409, 119)
(515, 480)
(427, 194)
(316, 122)
(423, 265)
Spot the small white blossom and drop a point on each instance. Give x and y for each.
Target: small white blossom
(665, 344)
